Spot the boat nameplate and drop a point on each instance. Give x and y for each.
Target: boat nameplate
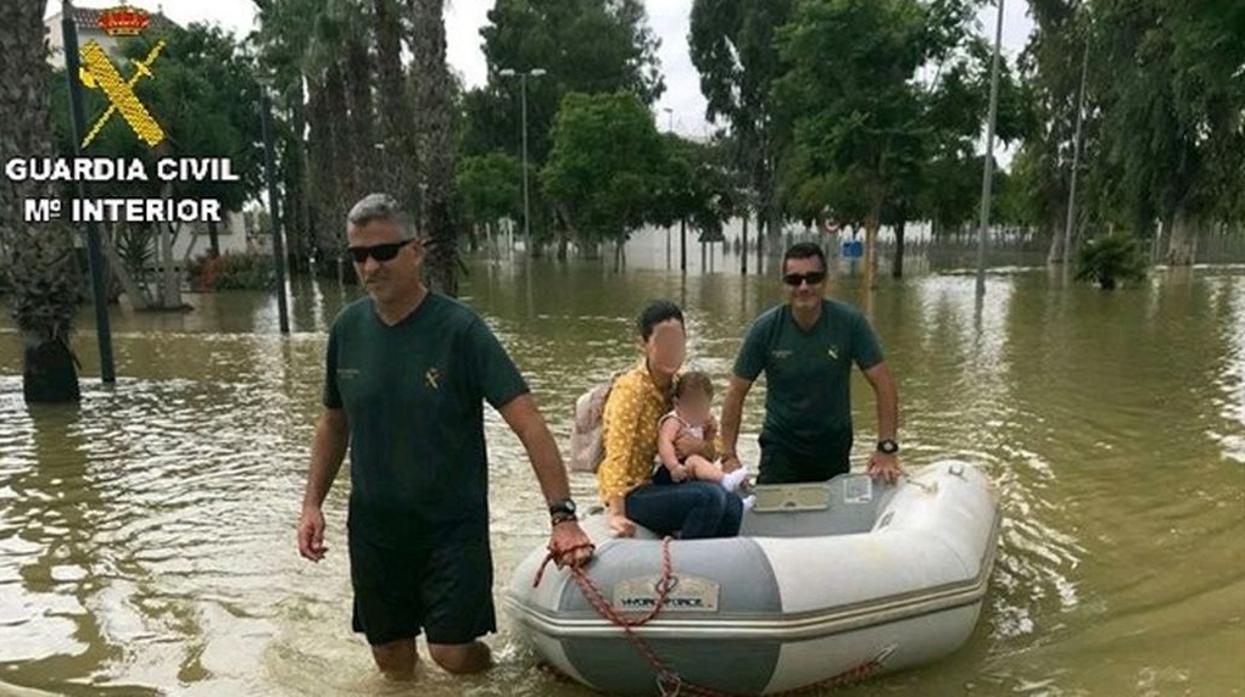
(689, 594)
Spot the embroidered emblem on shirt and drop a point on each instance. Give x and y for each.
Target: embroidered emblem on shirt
(833, 352)
(433, 377)
(780, 353)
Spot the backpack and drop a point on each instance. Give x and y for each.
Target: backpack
(587, 447)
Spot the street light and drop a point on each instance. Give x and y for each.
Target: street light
(527, 215)
(274, 215)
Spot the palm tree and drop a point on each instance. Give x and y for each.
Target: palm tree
(434, 123)
(396, 117)
(40, 258)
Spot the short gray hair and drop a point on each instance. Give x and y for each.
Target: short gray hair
(380, 207)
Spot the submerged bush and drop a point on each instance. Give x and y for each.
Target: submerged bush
(251, 271)
(1110, 259)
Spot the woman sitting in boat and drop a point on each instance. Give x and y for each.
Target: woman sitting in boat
(633, 411)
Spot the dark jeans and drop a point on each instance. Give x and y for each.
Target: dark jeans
(698, 509)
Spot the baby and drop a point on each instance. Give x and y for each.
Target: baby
(693, 396)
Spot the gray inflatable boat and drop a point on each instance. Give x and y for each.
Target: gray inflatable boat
(841, 579)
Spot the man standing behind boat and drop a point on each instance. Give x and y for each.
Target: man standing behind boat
(806, 348)
(407, 372)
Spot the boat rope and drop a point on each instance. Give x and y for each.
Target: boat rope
(669, 683)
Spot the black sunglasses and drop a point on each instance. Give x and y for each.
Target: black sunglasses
(812, 278)
(380, 252)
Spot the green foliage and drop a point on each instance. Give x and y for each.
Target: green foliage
(250, 271)
(134, 245)
(491, 187)
(1109, 259)
(586, 46)
(733, 46)
(606, 166)
(862, 121)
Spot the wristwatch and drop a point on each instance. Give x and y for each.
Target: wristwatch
(562, 510)
(888, 446)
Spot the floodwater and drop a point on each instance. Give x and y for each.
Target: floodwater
(147, 537)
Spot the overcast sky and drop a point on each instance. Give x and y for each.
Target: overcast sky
(669, 19)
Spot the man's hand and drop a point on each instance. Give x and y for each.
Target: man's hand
(885, 467)
(311, 534)
(570, 545)
(621, 526)
(687, 445)
(730, 463)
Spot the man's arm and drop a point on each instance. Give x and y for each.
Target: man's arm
(732, 416)
(879, 376)
(526, 422)
(328, 449)
(883, 383)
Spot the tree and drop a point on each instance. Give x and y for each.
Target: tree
(396, 113)
(585, 46)
(491, 189)
(1174, 110)
(733, 45)
(39, 259)
(859, 116)
(605, 167)
(434, 129)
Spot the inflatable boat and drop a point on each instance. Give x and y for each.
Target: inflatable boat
(827, 582)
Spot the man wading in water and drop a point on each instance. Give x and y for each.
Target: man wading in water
(407, 372)
(806, 347)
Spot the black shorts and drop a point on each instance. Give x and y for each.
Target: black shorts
(440, 583)
(781, 465)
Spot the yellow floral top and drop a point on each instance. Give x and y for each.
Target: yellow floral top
(629, 432)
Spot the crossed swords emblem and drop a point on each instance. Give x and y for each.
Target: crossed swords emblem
(98, 71)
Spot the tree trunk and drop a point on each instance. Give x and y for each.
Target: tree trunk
(296, 181)
(213, 240)
(564, 240)
(138, 297)
(1182, 243)
(871, 243)
(396, 118)
(743, 258)
(434, 122)
(341, 168)
(39, 257)
(362, 130)
(170, 284)
(760, 242)
(897, 267)
(683, 246)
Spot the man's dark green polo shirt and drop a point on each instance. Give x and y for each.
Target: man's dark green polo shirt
(413, 394)
(808, 409)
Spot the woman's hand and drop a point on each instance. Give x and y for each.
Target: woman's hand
(621, 526)
(679, 473)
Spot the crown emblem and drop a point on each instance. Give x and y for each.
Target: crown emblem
(123, 21)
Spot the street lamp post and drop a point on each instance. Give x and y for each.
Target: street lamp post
(527, 214)
(274, 215)
(94, 256)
